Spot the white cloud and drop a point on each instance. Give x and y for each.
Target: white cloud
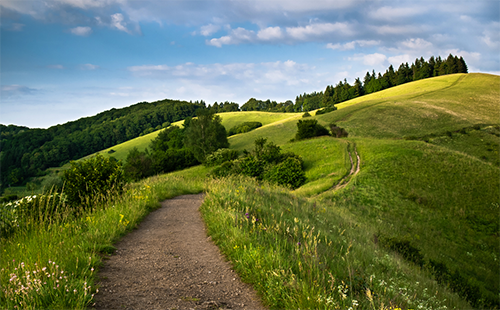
(290, 35)
(312, 31)
(393, 13)
(16, 27)
(417, 44)
(270, 33)
(81, 31)
(117, 21)
(89, 67)
(209, 29)
(397, 30)
(352, 45)
(375, 59)
(399, 59)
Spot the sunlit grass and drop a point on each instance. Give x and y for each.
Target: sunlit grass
(62, 254)
(309, 255)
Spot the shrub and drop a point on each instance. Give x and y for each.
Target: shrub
(338, 132)
(251, 166)
(326, 110)
(220, 156)
(91, 179)
(244, 127)
(287, 173)
(310, 128)
(306, 114)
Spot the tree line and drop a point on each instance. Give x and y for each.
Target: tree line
(372, 82)
(28, 152)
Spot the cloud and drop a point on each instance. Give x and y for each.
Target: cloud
(81, 31)
(16, 27)
(288, 35)
(416, 44)
(117, 22)
(209, 30)
(89, 67)
(352, 45)
(14, 91)
(270, 34)
(397, 13)
(261, 73)
(313, 31)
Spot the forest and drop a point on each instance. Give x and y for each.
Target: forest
(28, 152)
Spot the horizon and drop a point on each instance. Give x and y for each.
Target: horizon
(67, 59)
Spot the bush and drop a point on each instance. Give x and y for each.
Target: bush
(220, 156)
(287, 173)
(338, 132)
(93, 178)
(244, 127)
(306, 114)
(326, 110)
(266, 162)
(310, 128)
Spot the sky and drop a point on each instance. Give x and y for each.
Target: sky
(61, 60)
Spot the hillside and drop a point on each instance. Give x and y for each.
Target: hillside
(27, 152)
(412, 223)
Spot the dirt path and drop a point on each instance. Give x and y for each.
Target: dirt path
(354, 170)
(169, 263)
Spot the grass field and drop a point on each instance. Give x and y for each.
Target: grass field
(416, 228)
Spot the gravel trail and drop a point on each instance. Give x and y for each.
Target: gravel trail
(169, 263)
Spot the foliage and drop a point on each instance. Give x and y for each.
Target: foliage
(26, 152)
(22, 213)
(221, 156)
(310, 128)
(205, 135)
(326, 110)
(287, 173)
(61, 254)
(138, 165)
(266, 162)
(338, 132)
(92, 179)
(244, 127)
(167, 154)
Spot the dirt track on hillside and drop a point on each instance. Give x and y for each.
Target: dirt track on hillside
(169, 263)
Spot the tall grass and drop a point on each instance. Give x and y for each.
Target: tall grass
(51, 262)
(308, 255)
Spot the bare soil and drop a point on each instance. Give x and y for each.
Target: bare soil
(170, 263)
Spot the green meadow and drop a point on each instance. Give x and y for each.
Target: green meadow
(416, 228)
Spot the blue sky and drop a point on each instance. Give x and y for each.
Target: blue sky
(66, 59)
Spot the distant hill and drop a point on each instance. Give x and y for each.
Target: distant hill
(27, 152)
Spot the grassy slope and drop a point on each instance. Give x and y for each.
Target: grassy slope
(229, 120)
(442, 195)
(443, 198)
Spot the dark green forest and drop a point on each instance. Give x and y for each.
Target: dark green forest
(28, 152)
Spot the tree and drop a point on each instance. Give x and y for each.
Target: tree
(205, 135)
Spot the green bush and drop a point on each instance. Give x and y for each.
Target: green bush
(93, 178)
(244, 127)
(310, 128)
(220, 156)
(326, 110)
(287, 173)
